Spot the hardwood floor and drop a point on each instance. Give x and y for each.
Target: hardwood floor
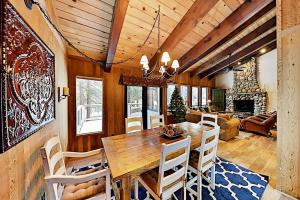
(257, 153)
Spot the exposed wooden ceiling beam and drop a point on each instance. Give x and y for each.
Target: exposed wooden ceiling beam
(117, 24)
(271, 23)
(239, 20)
(240, 55)
(189, 21)
(269, 47)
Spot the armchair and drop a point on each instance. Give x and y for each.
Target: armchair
(69, 186)
(229, 128)
(259, 125)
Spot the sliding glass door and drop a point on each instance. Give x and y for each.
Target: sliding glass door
(134, 101)
(143, 102)
(153, 103)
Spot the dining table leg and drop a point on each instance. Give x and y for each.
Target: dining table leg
(126, 188)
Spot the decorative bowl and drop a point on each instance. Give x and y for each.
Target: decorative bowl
(171, 131)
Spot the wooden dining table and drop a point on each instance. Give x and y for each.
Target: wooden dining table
(130, 155)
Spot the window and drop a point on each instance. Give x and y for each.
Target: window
(89, 103)
(170, 91)
(195, 96)
(204, 96)
(184, 93)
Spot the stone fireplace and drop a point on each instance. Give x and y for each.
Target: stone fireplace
(246, 95)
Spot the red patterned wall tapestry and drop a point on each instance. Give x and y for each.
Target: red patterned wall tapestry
(27, 79)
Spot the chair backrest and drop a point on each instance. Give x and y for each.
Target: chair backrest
(133, 124)
(54, 163)
(209, 120)
(208, 149)
(157, 121)
(169, 182)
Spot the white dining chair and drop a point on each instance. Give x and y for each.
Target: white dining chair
(203, 159)
(163, 182)
(133, 124)
(209, 120)
(157, 121)
(62, 185)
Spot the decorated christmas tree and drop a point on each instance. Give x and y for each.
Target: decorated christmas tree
(177, 107)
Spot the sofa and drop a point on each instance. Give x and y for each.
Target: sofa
(229, 126)
(260, 124)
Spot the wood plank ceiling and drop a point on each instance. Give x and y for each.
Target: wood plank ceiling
(140, 17)
(88, 24)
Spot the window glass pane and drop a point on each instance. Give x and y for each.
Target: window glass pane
(153, 98)
(153, 103)
(184, 93)
(170, 91)
(204, 94)
(89, 99)
(134, 101)
(195, 96)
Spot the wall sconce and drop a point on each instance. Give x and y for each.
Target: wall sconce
(65, 93)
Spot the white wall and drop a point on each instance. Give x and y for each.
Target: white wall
(266, 76)
(224, 80)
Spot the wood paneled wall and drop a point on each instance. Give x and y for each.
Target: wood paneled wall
(113, 102)
(21, 172)
(114, 97)
(288, 50)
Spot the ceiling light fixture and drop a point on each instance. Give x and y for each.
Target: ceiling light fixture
(162, 63)
(263, 50)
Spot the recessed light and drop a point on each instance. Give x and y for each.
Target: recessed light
(263, 50)
(239, 63)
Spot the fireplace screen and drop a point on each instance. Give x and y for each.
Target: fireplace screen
(244, 105)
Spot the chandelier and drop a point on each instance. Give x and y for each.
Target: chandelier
(162, 63)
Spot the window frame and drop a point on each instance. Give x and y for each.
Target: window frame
(75, 106)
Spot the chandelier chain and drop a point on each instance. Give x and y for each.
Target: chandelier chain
(101, 62)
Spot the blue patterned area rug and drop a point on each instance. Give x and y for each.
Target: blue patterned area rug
(233, 182)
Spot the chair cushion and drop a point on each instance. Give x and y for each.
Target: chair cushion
(84, 190)
(194, 157)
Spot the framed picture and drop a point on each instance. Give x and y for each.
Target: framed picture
(27, 82)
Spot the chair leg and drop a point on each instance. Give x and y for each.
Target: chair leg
(108, 194)
(213, 177)
(199, 186)
(184, 193)
(136, 189)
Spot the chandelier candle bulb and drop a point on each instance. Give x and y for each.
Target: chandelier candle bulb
(162, 70)
(175, 64)
(146, 67)
(144, 60)
(165, 58)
